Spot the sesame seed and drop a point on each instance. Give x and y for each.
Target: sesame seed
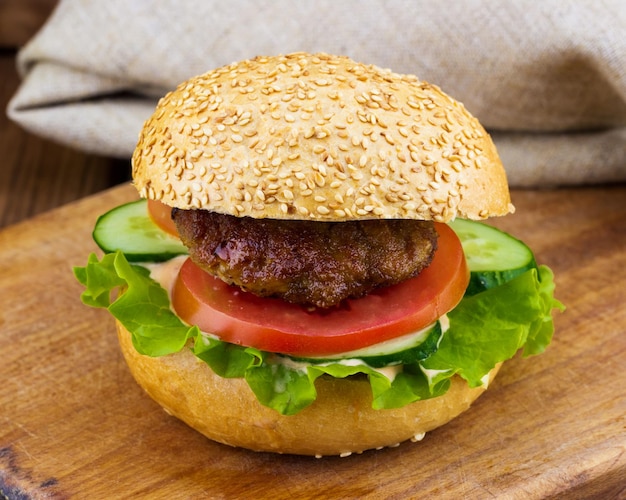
(321, 134)
(388, 138)
(356, 175)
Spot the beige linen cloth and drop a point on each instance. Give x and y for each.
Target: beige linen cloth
(546, 78)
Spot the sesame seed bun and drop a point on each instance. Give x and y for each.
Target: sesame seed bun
(340, 422)
(318, 137)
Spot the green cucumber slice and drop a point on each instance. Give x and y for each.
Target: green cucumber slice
(130, 229)
(406, 349)
(493, 256)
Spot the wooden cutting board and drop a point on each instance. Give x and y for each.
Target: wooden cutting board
(73, 424)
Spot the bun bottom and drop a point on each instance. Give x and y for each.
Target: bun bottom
(340, 422)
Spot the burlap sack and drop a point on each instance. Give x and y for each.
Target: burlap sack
(547, 79)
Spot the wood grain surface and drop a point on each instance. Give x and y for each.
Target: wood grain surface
(36, 174)
(20, 20)
(73, 424)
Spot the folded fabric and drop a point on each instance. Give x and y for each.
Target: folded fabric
(547, 79)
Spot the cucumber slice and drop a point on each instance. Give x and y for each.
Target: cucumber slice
(406, 349)
(130, 229)
(493, 256)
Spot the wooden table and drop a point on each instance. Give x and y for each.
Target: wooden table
(73, 424)
(36, 174)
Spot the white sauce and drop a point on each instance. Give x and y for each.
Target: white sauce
(388, 371)
(431, 374)
(165, 273)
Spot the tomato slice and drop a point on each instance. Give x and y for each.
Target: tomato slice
(161, 214)
(274, 325)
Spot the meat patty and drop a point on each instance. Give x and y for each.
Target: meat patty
(306, 262)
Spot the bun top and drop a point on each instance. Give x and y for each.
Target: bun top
(320, 137)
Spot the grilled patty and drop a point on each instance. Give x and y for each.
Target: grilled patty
(306, 262)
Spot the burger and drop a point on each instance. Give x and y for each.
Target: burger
(304, 271)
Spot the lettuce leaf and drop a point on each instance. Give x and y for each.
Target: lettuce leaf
(490, 327)
(485, 329)
(143, 308)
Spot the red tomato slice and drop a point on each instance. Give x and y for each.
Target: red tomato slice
(274, 325)
(161, 214)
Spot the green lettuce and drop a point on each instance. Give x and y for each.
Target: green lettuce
(485, 329)
(490, 327)
(144, 307)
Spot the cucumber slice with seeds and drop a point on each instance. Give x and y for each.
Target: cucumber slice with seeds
(493, 256)
(130, 228)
